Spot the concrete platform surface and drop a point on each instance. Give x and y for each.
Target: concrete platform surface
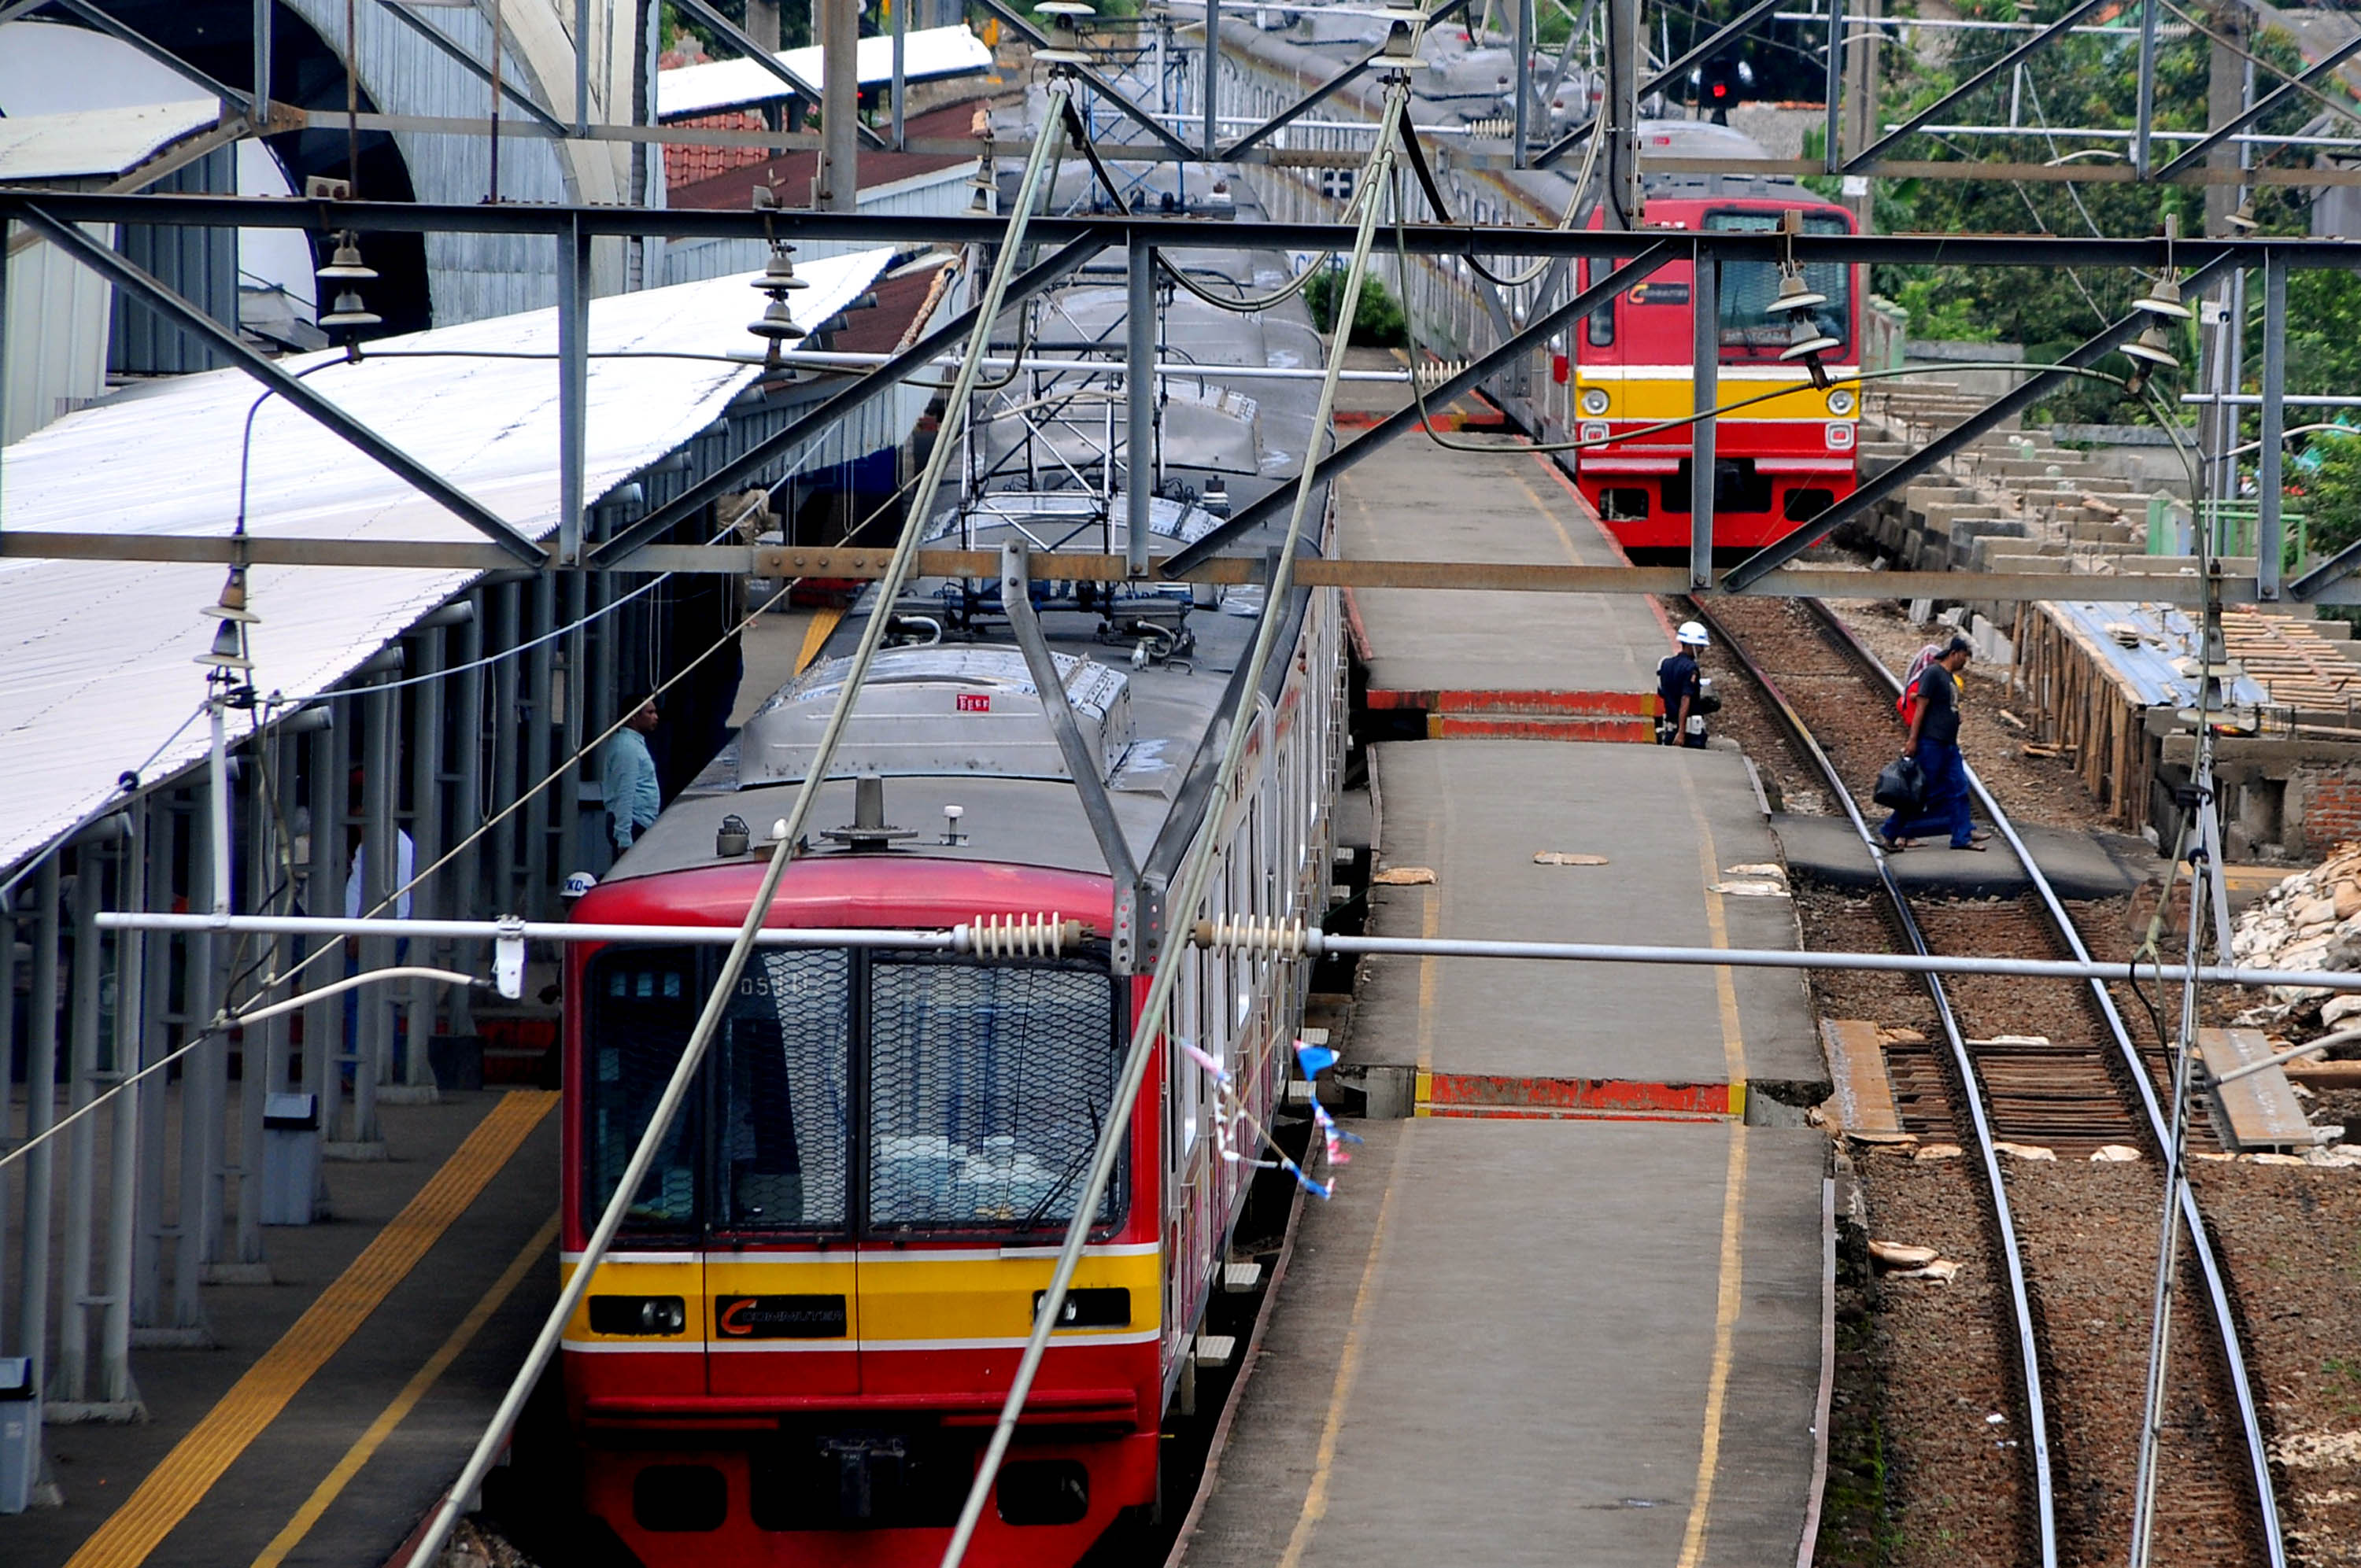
(1827, 850)
(1417, 501)
(1544, 1342)
(1669, 823)
(311, 1435)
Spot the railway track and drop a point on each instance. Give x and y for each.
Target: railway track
(2055, 1067)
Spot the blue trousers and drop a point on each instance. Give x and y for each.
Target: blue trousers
(1945, 807)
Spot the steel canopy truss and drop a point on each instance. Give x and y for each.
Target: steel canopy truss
(1903, 474)
(777, 448)
(136, 280)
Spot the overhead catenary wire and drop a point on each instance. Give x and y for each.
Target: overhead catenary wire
(1195, 872)
(692, 1056)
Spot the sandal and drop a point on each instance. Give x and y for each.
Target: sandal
(1894, 846)
(1975, 844)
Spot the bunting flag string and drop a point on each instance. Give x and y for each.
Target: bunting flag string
(1231, 1118)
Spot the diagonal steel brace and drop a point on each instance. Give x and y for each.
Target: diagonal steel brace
(735, 36)
(2195, 152)
(1789, 545)
(1603, 289)
(1011, 17)
(1990, 73)
(776, 449)
(137, 282)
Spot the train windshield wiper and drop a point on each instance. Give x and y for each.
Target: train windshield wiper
(1066, 1177)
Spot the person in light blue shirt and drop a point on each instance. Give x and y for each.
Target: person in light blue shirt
(627, 777)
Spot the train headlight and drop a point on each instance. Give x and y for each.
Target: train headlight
(1594, 402)
(1594, 429)
(1841, 403)
(638, 1315)
(1840, 436)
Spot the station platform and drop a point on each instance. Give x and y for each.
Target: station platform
(1539, 665)
(1544, 1342)
(340, 1400)
(1646, 833)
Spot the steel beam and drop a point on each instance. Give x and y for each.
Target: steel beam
(1140, 391)
(1016, 599)
(1536, 333)
(573, 391)
(41, 1113)
(1704, 354)
(172, 62)
(779, 447)
(839, 30)
(451, 49)
(139, 282)
(2195, 152)
(1895, 479)
(1182, 234)
(2269, 536)
(2143, 92)
(1990, 73)
(259, 99)
(735, 36)
(1831, 139)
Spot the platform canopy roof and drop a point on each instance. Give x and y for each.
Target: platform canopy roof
(928, 54)
(97, 671)
(96, 143)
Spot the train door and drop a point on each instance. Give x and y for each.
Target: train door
(778, 1266)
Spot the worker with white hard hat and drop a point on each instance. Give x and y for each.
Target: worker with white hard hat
(1683, 690)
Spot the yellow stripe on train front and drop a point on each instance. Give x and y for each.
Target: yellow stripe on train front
(917, 1299)
(889, 1297)
(1651, 398)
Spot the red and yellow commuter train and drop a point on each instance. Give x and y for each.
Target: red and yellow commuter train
(1777, 462)
(799, 1343)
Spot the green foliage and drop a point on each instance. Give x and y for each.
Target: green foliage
(1377, 321)
(2332, 493)
(2079, 80)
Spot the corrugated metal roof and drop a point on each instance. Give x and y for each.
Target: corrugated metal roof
(95, 657)
(929, 54)
(90, 144)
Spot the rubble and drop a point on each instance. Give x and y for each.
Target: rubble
(2309, 921)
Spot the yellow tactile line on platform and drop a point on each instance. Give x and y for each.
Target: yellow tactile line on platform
(823, 625)
(1429, 925)
(364, 1447)
(175, 1486)
(1728, 1296)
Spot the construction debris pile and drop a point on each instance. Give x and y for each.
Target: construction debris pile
(2310, 921)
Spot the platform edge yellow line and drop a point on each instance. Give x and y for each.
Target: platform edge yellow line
(178, 1484)
(364, 1447)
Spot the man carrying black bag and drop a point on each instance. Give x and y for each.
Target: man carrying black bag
(1933, 745)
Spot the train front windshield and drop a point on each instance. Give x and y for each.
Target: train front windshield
(1749, 287)
(886, 1093)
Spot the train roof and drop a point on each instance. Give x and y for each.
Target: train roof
(959, 722)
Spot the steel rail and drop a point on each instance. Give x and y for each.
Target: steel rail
(2028, 1338)
(2209, 1264)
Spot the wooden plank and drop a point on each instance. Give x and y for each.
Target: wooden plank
(2258, 1112)
(2315, 1074)
(1863, 1101)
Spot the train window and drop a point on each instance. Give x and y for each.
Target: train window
(988, 1086)
(784, 1122)
(1749, 287)
(640, 1004)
